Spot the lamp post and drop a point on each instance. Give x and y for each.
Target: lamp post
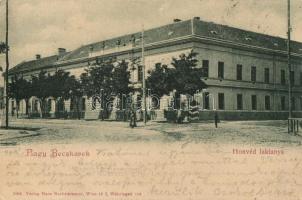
(6, 49)
(149, 102)
(2, 97)
(132, 59)
(144, 78)
(288, 61)
(102, 103)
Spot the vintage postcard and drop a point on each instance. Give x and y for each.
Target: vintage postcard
(151, 100)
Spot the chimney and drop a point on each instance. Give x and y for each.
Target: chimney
(176, 20)
(61, 51)
(197, 18)
(38, 56)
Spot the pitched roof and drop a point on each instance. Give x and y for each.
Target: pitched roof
(37, 64)
(208, 30)
(157, 34)
(226, 33)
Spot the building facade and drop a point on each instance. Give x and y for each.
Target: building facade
(246, 72)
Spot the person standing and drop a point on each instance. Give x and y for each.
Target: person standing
(216, 119)
(132, 118)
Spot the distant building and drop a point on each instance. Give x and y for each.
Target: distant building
(246, 72)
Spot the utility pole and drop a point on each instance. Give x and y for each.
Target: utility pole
(144, 78)
(132, 70)
(288, 62)
(6, 70)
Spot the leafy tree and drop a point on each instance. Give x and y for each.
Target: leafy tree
(18, 89)
(59, 87)
(58, 84)
(183, 77)
(97, 78)
(160, 80)
(97, 82)
(106, 80)
(121, 80)
(76, 92)
(27, 93)
(41, 85)
(186, 75)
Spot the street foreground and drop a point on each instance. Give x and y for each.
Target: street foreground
(25, 131)
(101, 160)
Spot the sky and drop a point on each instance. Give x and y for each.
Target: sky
(42, 26)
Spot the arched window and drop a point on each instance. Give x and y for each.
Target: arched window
(36, 105)
(49, 105)
(61, 105)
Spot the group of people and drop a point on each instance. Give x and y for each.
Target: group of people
(192, 114)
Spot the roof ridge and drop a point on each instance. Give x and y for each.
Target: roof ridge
(129, 34)
(178, 29)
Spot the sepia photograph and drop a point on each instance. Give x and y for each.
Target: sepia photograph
(150, 99)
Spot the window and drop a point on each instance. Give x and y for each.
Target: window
(36, 105)
(221, 70)
(239, 101)
(206, 104)
(13, 108)
(205, 68)
(139, 73)
(239, 72)
(283, 103)
(267, 103)
(292, 78)
(221, 101)
(301, 78)
(266, 75)
(18, 105)
(293, 103)
(61, 105)
(254, 102)
(48, 105)
(253, 74)
(282, 77)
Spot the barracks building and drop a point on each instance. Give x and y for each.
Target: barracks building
(246, 72)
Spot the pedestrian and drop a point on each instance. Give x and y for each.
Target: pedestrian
(216, 119)
(132, 118)
(179, 116)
